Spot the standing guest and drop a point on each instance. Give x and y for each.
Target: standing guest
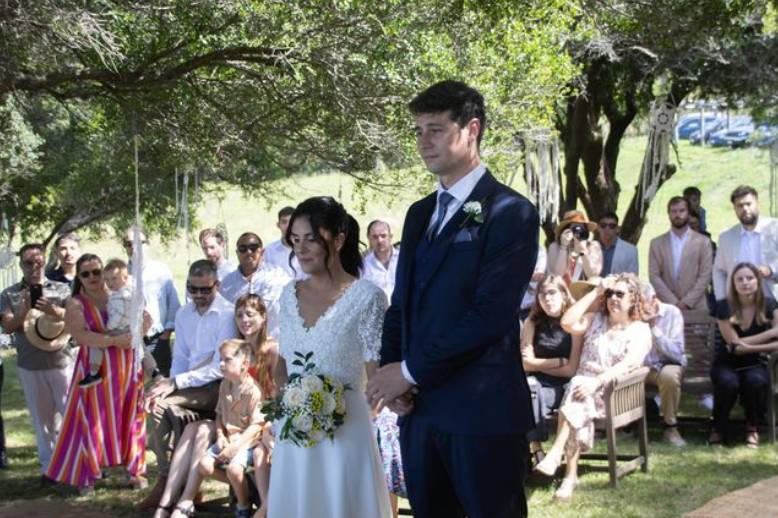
(694, 196)
(201, 326)
(380, 265)
(549, 354)
(212, 241)
(754, 240)
(618, 256)
(44, 367)
(103, 425)
(278, 253)
(252, 276)
(749, 327)
(666, 359)
(680, 261)
(575, 255)
(616, 341)
(537, 276)
(68, 248)
(451, 334)
(162, 301)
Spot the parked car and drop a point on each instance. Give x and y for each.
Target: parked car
(764, 136)
(740, 128)
(710, 128)
(691, 123)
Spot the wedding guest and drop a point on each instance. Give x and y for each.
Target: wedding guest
(162, 300)
(44, 366)
(694, 196)
(749, 327)
(618, 256)
(754, 240)
(528, 301)
(67, 248)
(666, 359)
(616, 341)
(549, 354)
(575, 255)
(222, 449)
(380, 263)
(201, 326)
(278, 253)
(213, 242)
(103, 425)
(680, 261)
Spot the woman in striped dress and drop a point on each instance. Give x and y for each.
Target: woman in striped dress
(104, 424)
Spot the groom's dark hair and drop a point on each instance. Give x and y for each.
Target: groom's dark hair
(462, 101)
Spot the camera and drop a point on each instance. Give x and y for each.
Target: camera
(580, 232)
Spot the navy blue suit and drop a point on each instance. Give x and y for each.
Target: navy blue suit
(454, 320)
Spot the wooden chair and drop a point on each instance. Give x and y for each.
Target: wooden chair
(699, 335)
(625, 403)
(772, 371)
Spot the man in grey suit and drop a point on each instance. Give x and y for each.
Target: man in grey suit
(618, 256)
(680, 261)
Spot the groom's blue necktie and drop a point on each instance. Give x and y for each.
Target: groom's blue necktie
(443, 201)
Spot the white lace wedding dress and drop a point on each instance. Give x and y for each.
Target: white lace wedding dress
(340, 478)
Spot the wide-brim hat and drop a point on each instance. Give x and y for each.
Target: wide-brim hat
(573, 216)
(580, 288)
(45, 333)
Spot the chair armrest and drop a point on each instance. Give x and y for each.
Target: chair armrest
(772, 370)
(625, 393)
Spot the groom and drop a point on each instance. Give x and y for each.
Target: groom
(450, 353)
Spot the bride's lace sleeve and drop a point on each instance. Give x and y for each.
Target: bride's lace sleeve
(371, 323)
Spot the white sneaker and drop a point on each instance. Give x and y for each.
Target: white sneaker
(706, 402)
(672, 436)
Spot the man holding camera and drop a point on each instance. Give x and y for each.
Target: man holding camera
(45, 363)
(575, 255)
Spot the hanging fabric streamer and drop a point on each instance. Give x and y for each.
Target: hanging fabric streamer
(541, 171)
(657, 156)
(138, 299)
(774, 179)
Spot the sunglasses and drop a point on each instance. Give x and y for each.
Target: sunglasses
(97, 272)
(31, 264)
(615, 293)
(251, 247)
(611, 226)
(202, 290)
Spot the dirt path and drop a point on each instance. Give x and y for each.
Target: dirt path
(760, 499)
(48, 508)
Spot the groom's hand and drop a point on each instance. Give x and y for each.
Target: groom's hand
(387, 384)
(402, 405)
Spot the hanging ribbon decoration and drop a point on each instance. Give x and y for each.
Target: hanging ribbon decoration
(774, 179)
(660, 136)
(8, 258)
(542, 171)
(138, 299)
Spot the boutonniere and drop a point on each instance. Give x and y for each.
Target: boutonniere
(474, 211)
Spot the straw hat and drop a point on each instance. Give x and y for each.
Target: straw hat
(44, 332)
(573, 216)
(580, 288)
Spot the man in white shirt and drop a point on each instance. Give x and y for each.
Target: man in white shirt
(754, 240)
(380, 264)
(212, 241)
(666, 359)
(277, 253)
(201, 326)
(253, 276)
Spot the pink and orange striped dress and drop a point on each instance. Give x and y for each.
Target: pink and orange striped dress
(104, 425)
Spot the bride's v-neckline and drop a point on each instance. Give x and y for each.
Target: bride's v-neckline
(326, 312)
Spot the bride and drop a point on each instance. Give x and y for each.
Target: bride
(339, 319)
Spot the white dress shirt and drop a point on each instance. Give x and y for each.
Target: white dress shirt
(677, 249)
(224, 268)
(750, 247)
(383, 277)
(460, 191)
(667, 339)
(267, 282)
(277, 254)
(532, 288)
(159, 290)
(198, 337)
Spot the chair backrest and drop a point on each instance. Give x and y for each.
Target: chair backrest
(699, 335)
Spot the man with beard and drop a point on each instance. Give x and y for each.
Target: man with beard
(754, 240)
(680, 261)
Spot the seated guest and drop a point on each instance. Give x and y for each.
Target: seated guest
(575, 255)
(666, 359)
(201, 326)
(549, 354)
(212, 241)
(748, 322)
(615, 342)
(618, 256)
(224, 451)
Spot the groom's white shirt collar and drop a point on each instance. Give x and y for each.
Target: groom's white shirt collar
(461, 191)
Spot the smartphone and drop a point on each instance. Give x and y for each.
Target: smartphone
(36, 292)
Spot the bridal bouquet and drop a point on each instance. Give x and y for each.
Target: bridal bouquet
(313, 405)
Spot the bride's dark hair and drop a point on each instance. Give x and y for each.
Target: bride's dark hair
(325, 213)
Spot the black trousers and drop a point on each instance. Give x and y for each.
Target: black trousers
(750, 385)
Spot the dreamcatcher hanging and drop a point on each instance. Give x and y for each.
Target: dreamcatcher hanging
(8, 258)
(774, 179)
(660, 136)
(541, 171)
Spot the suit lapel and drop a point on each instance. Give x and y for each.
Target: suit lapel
(419, 224)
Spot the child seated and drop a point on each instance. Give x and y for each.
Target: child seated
(118, 279)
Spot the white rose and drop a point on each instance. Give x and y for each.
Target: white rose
(294, 397)
(318, 436)
(341, 406)
(303, 422)
(311, 384)
(329, 404)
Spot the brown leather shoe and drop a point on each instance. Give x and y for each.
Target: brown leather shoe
(152, 499)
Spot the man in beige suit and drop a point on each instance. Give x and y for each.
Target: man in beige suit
(680, 261)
